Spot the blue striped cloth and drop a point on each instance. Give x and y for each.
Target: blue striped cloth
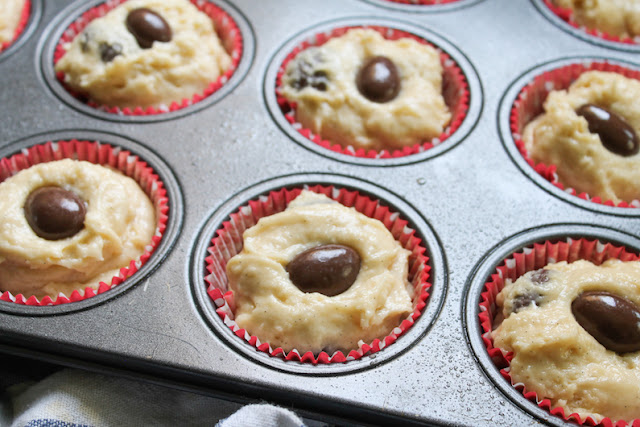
(75, 398)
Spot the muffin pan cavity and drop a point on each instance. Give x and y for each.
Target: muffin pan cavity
(221, 239)
(527, 251)
(524, 101)
(460, 88)
(233, 31)
(117, 153)
(563, 18)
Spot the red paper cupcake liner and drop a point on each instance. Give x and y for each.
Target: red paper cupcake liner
(534, 258)
(22, 23)
(105, 155)
(228, 242)
(529, 104)
(455, 90)
(226, 28)
(566, 14)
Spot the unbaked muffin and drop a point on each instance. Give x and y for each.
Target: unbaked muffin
(361, 90)
(10, 15)
(67, 225)
(590, 132)
(320, 277)
(574, 330)
(144, 53)
(620, 18)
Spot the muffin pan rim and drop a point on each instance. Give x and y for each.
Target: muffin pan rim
(169, 237)
(487, 264)
(504, 129)
(475, 89)
(53, 31)
(438, 275)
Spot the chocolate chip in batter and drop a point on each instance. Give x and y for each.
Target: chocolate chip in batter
(615, 133)
(327, 269)
(148, 27)
(540, 276)
(378, 80)
(85, 38)
(612, 320)
(109, 51)
(524, 300)
(306, 74)
(54, 213)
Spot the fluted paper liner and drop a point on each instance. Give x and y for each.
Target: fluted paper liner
(22, 23)
(529, 104)
(533, 258)
(109, 156)
(455, 90)
(228, 242)
(226, 28)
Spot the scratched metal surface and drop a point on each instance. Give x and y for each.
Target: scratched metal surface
(471, 199)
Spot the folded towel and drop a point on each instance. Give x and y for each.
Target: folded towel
(75, 398)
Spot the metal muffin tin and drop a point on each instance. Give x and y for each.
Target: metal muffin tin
(472, 200)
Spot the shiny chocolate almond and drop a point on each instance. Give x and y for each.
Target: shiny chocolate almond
(108, 52)
(613, 321)
(378, 80)
(54, 213)
(615, 133)
(148, 27)
(327, 269)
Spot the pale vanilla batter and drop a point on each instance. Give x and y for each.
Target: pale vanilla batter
(119, 223)
(166, 72)
(10, 13)
(561, 137)
(343, 116)
(554, 356)
(272, 308)
(615, 17)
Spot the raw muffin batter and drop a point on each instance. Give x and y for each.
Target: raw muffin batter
(275, 310)
(172, 58)
(10, 13)
(562, 137)
(326, 83)
(615, 17)
(118, 224)
(554, 355)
